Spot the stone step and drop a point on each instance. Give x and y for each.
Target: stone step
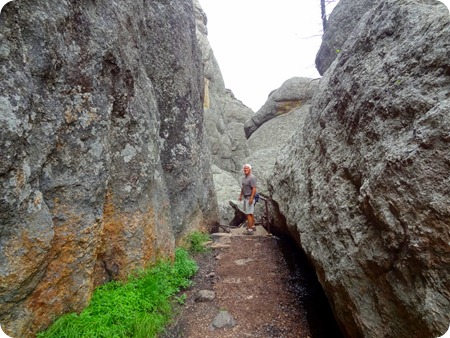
(260, 231)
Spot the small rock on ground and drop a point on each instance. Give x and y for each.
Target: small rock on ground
(223, 319)
(205, 296)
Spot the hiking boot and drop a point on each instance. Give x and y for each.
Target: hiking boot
(248, 231)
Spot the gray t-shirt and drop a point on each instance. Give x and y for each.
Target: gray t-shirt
(248, 182)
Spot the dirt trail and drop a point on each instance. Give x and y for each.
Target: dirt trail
(250, 279)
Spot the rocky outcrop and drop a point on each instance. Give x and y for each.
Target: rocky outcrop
(224, 114)
(293, 93)
(104, 163)
(365, 182)
(340, 25)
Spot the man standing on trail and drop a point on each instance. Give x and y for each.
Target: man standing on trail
(248, 192)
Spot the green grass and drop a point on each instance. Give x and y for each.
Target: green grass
(197, 241)
(138, 308)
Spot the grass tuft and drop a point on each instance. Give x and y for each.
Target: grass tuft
(197, 241)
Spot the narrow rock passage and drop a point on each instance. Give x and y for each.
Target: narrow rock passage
(250, 279)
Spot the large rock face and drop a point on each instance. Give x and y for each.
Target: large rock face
(365, 183)
(228, 188)
(103, 163)
(224, 114)
(341, 23)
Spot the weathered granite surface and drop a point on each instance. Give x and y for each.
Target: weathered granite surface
(365, 183)
(228, 188)
(224, 114)
(340, 25)
(103, 162)
(272, 136)
(293, 93)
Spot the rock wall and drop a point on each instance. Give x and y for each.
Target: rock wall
(365, 185)
(104, 162)
(224, 114)
(340, 25)
(224, 120)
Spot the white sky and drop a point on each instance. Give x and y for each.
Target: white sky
(259, 44)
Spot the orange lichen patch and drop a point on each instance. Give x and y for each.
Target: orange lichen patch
(28, 254)
(130, 240)
(111, 249)
(149, 236)
(113, 224)
(284, 107)
(65, 286)
(83, 256)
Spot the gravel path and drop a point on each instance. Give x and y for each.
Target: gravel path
(250, 278)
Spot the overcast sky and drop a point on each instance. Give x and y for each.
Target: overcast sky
(259, 44)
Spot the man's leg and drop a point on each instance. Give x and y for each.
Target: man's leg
(250, 216)
(250, 225)
(251, 221)
(248, 209)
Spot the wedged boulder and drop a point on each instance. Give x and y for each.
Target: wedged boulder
(293, 93)
(265, 145)
(104, 163)
(268, 141)
(365, 182)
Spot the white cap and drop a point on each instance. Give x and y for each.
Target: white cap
(247, 165)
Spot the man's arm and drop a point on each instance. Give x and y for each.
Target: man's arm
(252, 196)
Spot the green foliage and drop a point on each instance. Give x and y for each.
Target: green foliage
(197, 241)
(181, 299)
(138, 308)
